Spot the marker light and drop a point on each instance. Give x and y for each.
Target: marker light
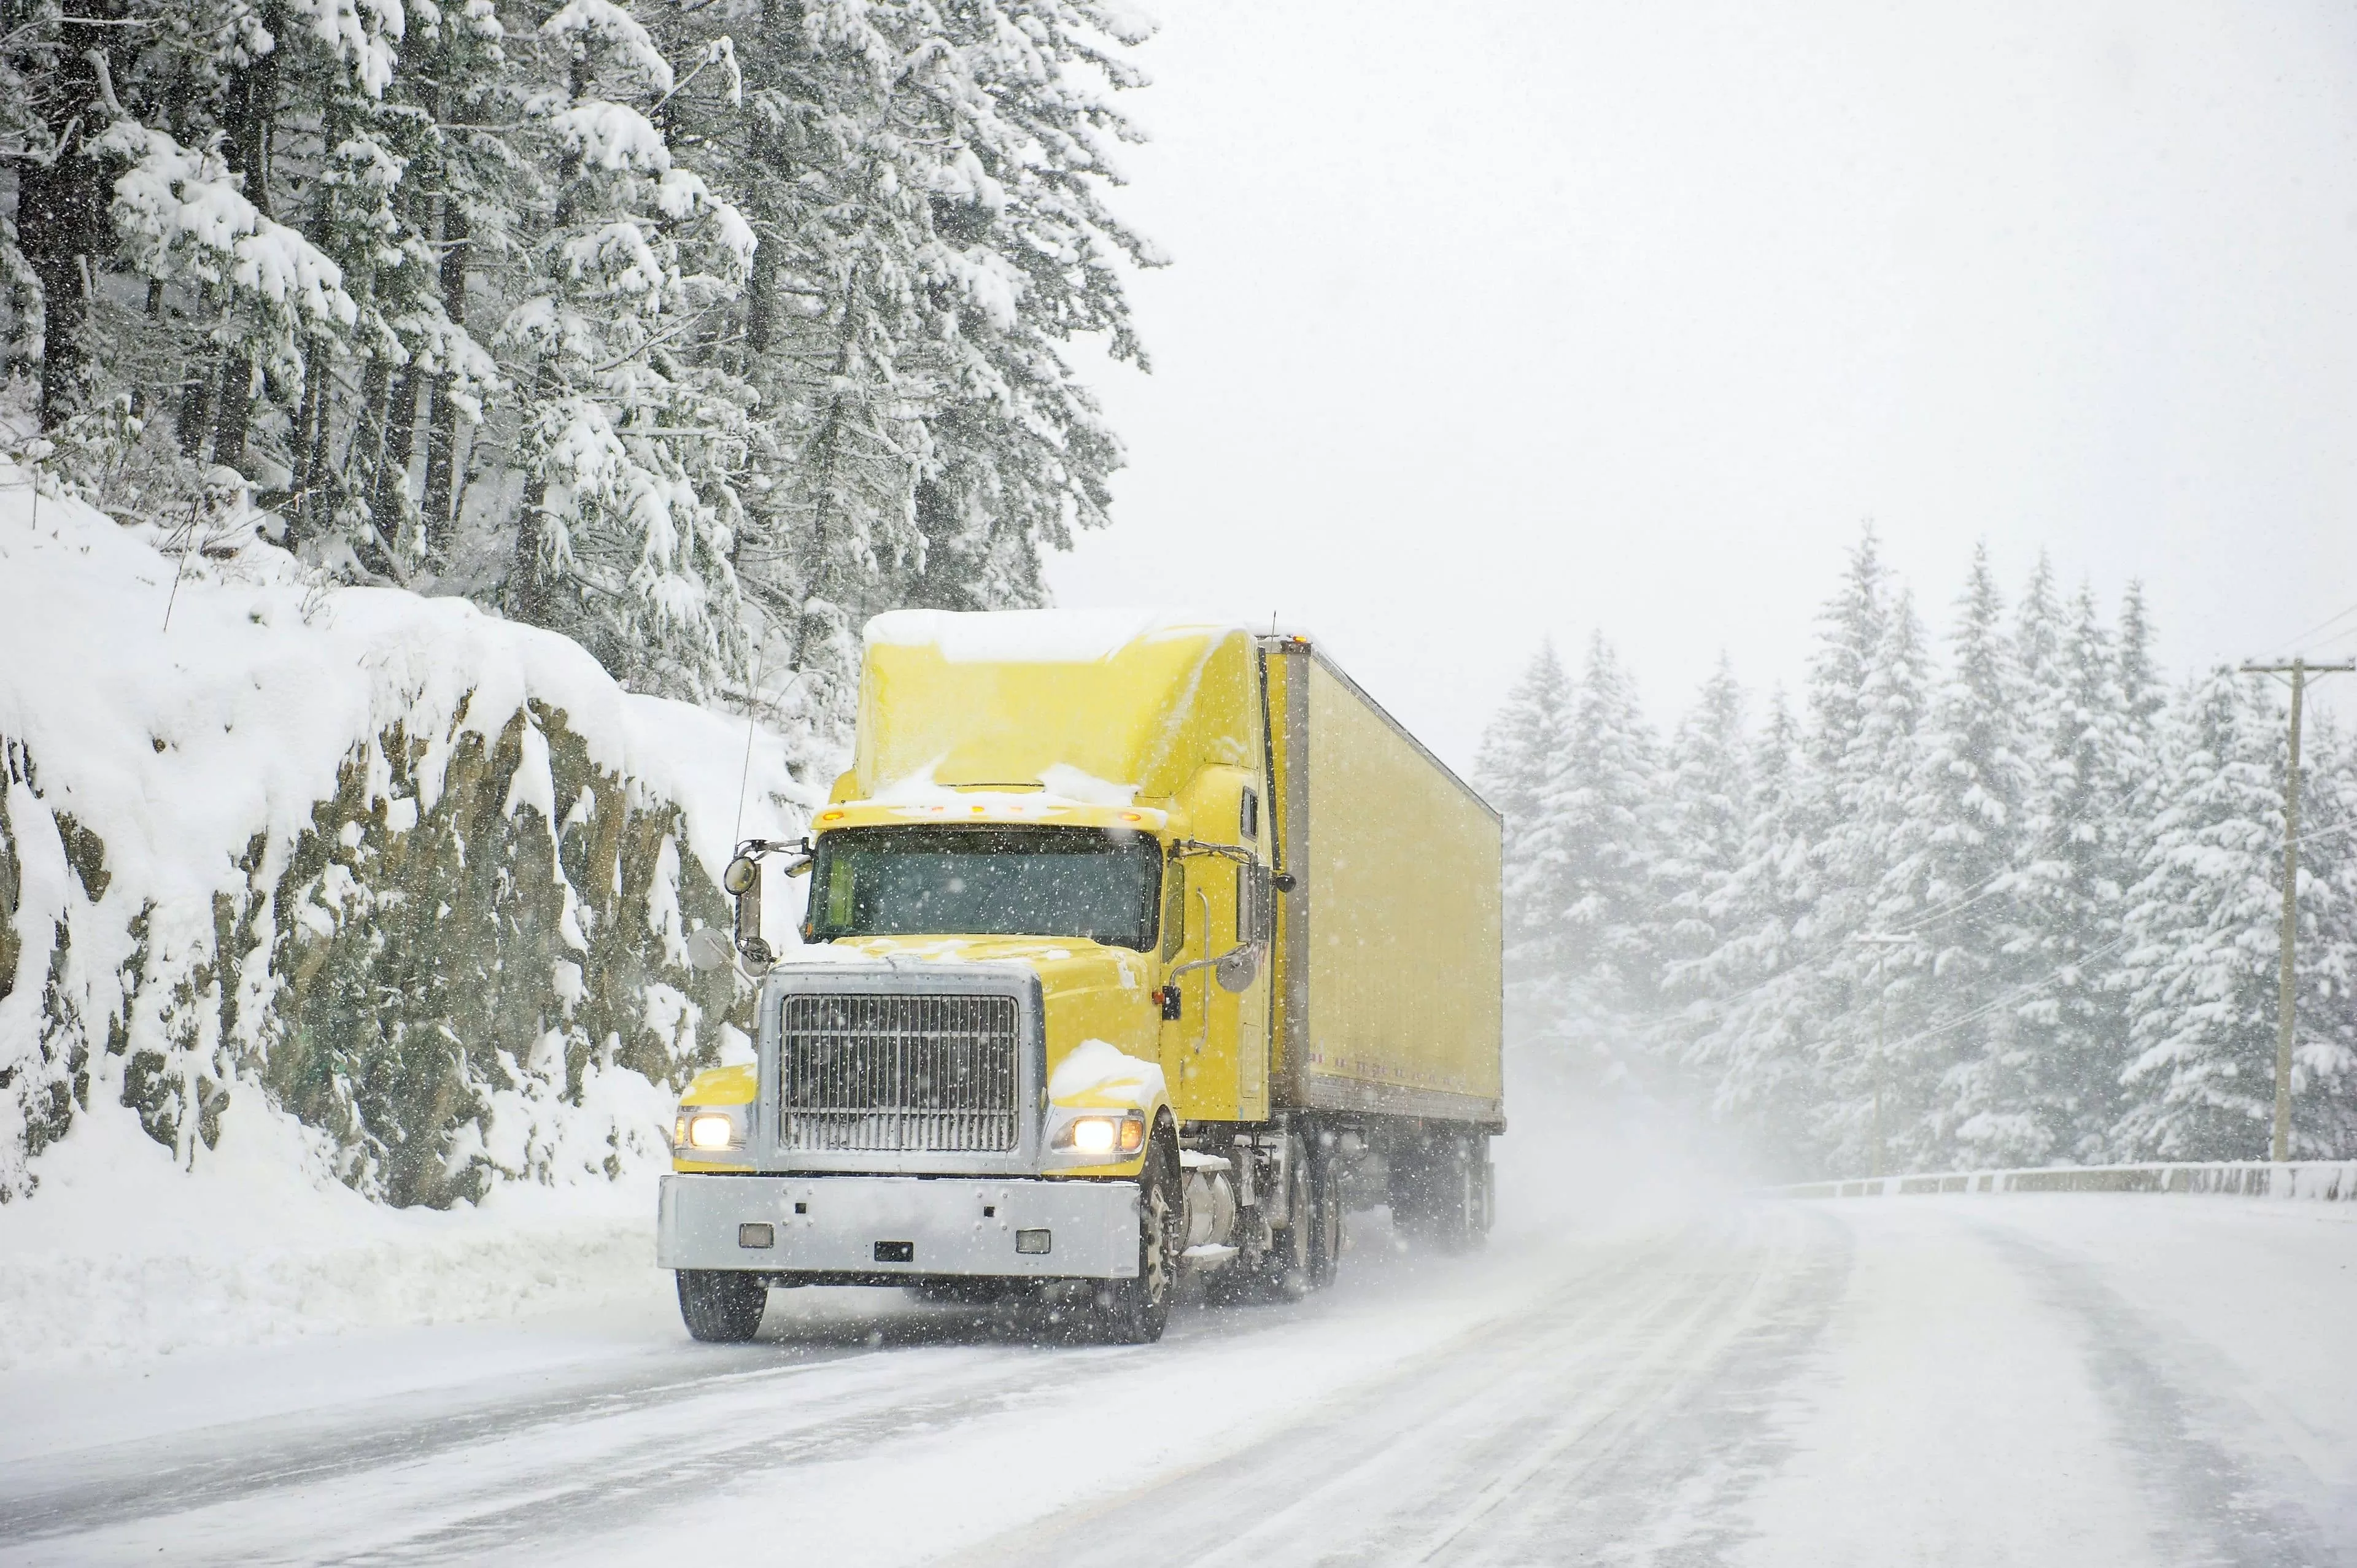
(1131, 817)
(830, 816)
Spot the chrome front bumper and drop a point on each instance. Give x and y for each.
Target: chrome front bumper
(886, 1226)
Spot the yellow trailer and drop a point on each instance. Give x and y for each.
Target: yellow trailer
(1128, 944)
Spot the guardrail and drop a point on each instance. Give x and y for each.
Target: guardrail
(2328, 1180)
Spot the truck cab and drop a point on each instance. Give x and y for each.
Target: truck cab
(1031, 1037)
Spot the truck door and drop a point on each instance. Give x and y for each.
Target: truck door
(1215, 1052)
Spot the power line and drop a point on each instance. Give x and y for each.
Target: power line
(2021, 995)
(2329, 621)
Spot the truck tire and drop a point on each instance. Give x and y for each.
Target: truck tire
(1439, 1192)
(1325, 1241)
(721, 1307)
(1281, 1272)
(1135, 1310)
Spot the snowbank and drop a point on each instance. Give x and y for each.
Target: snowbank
(313, 896)
(124, 1255)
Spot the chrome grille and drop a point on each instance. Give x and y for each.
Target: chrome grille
(898, 1073)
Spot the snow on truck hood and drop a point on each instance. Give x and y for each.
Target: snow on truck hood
(1100, 1075)
(1061, 962)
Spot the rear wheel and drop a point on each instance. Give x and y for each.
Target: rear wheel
(1135, 1310)
(1323, 1245)
(1439, 1190)
(721, 1307)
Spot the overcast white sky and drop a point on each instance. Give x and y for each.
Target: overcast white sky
(1492, 322)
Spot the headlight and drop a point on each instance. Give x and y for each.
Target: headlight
(709, 1130)
(1124, 1134)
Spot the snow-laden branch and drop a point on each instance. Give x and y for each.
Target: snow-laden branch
(182, 215)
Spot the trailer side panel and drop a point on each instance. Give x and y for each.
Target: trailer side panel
(1396, 1004)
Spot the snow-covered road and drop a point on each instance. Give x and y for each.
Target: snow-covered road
(2081, 1379)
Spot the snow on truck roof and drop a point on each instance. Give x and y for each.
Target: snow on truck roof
(1132, 700)
(1037, 637)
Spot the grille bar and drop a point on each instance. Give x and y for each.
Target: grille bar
(898, 1074)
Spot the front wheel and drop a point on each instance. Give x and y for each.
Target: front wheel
(721, 1307)
(1135, 1310)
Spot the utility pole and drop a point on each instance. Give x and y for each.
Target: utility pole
(1882, 1014)
(2299, 670)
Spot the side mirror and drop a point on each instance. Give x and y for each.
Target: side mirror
(742, 882)
(1237, 968)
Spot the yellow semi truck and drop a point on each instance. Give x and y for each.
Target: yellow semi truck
(1128, 943)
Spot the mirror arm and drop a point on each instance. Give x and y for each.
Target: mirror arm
(747, 937)
(1237, 853)
(1283, 881)
(1191, 965)
(754, 849)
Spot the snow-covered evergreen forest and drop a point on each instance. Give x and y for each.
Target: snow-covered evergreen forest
(2000, 894)
(696, 331)
(692, 331)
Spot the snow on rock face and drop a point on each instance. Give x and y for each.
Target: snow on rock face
(1098, 1073)
(1032, 636)
(301, 851)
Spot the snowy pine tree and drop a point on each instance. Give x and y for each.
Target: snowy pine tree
(630, 447)
(1521, 743)
(1589, 970)
(1707, 817)
(1882, 1060)
(1740, 1012)
(2202, 964)
(1949, 889)
(700, 333)
(2066, 904)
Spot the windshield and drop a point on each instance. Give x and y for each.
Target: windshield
(975, 881)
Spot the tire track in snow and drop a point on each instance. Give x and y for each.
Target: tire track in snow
(409, 1478)
(1661, 1482)
(1544, 1438)
(2218, 1513)
(213, 1468)
(615, 1498)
